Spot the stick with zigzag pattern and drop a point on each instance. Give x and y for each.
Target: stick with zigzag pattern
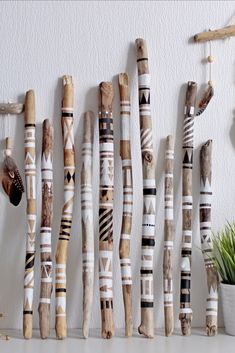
(66, 219)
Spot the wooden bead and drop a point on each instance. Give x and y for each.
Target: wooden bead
(210, 83)
(210, 59)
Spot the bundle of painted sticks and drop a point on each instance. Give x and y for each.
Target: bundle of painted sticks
(106, 152)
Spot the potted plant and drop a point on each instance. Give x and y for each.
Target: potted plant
(224, 257)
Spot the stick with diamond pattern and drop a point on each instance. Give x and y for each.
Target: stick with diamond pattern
(66, 219)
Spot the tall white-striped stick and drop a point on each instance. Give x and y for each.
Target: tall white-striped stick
(168, 237)
(30, 180)
(149, 192)
(124, 246)
(87, 221)
(206, 238)
(185, 315)
(46, 228)
(67, 212)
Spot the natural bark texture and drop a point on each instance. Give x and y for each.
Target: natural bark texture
(222, 33)
(87, 221)
(46, 227)
(124, 245)
(11, 108)
(106, 208)
(187, 212)
(149, 192)
(30, 181)
(66, 219)
(168, 237)
(206, 238)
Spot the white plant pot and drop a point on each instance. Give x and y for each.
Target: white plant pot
(228, 304)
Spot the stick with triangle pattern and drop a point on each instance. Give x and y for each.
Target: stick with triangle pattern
(124, 245)
(87, 221)
(187, 210)
(168, 237)
(206, 240)
(30, 181)
(46, 227)
(67, 212)
(106, 209)
(149, 193)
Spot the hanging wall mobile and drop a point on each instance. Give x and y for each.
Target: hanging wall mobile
(11, 180)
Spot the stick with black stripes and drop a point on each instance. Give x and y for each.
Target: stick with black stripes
(124, 245)
(149, 192)
(30, 181)
(66, 219)
(106, 209)
(206, 241)
(185, 315)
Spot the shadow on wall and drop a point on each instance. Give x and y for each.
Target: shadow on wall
(232, 131)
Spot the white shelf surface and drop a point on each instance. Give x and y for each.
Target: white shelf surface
(198, 342)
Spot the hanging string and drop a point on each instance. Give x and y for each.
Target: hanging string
(209, 93)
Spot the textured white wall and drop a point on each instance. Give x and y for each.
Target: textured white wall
(94, 41)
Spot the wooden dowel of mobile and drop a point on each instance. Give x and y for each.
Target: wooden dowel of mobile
(11, 108)
(87, 220)
(106, 209)
(46, 228)
(30, 181)
(206, 238)
(168, 237)
(66, 219)
(221, 33)
(149, 192)
(185, 315)
(124, 245)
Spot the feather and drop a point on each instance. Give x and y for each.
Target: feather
(205, 100)
(12, 181)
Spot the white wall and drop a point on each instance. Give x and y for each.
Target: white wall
(94, 41)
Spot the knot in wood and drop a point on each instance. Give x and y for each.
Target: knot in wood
(148, 157)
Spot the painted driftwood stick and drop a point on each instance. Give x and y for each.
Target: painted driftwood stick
(206, 239)
(221, 33)
(11, 108)
(168, 237)
(30, 181)
(187, 212)
(106, 209)
(46, 227)
(66, 219)
(87, 221)
(149, 192)
(124, 245)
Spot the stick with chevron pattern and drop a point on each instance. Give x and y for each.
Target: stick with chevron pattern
(185, 315)
(168, 237)
(124, 245)
(87, 221)
(106, 209)
(149, 193)
(46, 228)
(206, 238)
(66, 219)
(30, 181)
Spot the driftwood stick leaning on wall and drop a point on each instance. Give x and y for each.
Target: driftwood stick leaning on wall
(222, 33)
(87, 220)
(106, 209)
(46, 228)
(66, 219)
(30, 181)
(11, 108)
(149, 192)
(168, 237)
(124, 245)
(187, 212)
(206, 239)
